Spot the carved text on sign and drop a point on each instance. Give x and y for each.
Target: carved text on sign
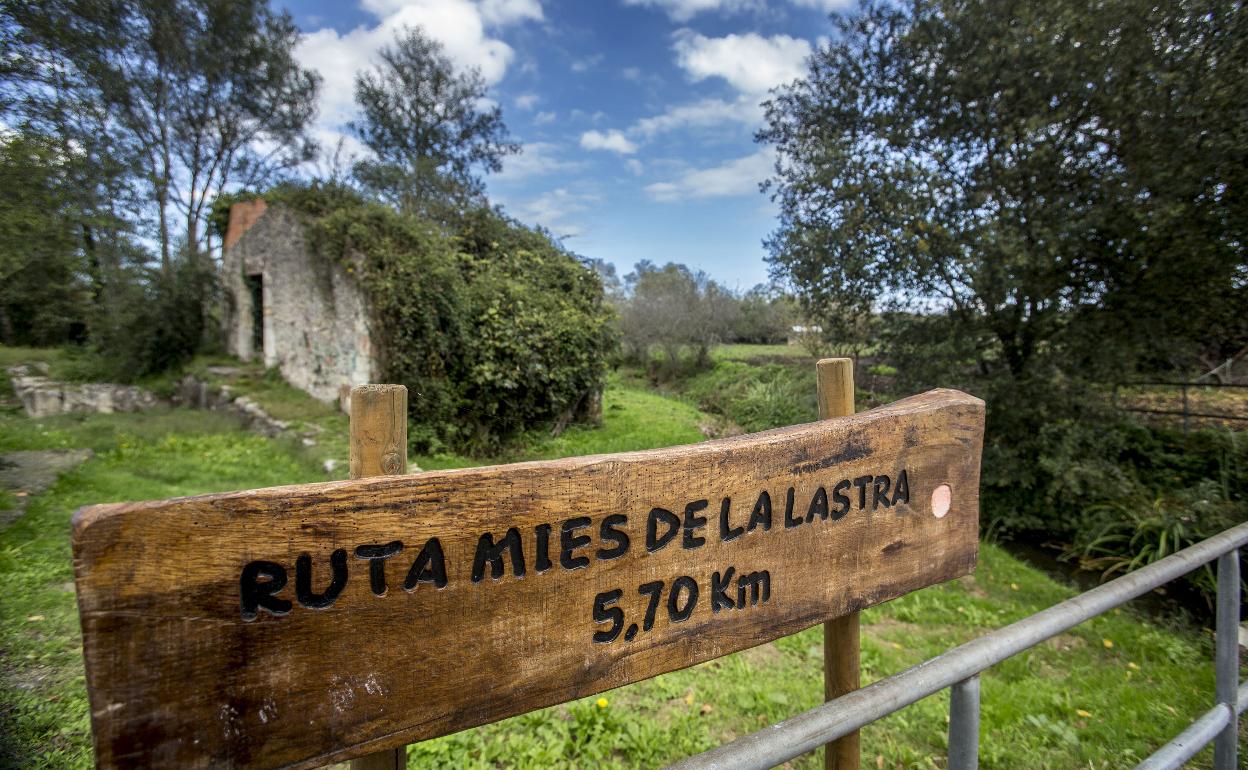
(264, 585)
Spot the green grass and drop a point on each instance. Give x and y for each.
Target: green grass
(633, 418)
(1076, 702)
(67, 364)
(12, 356)
(756, 352)
(43, 704)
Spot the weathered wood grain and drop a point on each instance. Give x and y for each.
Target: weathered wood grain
(378, 430)
(842, 641)
(178, 677)
(378, 437)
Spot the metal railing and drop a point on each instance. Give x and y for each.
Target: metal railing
(959, 669)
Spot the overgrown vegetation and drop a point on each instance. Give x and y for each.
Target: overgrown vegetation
(494, 328)
(756, 397)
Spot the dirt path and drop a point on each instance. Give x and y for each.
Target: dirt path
(24, 474)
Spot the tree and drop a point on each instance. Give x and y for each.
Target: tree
(186, 97)
(426, 127)
(41, 294)
(673, 308)
(48, 100)
(765, 316)
(1057, 186)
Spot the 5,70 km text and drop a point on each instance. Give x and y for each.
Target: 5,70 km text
(728, 590)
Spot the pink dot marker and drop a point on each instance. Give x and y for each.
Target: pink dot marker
(942, 497)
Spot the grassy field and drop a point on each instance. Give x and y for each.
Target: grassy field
(1101, 696)
(760, 352)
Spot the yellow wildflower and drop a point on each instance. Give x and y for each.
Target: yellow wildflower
(602, 703)
(1083, 713)
(1109, 643)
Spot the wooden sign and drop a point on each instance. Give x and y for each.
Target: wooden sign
(295, 626)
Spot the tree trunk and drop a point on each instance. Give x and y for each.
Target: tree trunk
(162, 196)
(93, 266)
(6, 326)
(192, 234)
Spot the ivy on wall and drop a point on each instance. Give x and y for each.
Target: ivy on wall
(492, 326)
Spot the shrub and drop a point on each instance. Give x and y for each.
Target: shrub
(1118, 494)
(1138, 530)
(756, 397)
(157, 324)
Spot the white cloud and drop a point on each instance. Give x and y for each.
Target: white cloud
(684, 10)
(635, 166)
(462, 26)
(824, 5)
(740, 176)
(705, 113)
(502, 12)
(536, 159)
(631, 73)
(612, 139)
(586, 64)
(551, 209)
(592, 117)
(527, 101)
(542, 118)
(750, 63)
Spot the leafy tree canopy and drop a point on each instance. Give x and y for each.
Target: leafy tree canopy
(425, 125)
(1056, 187)
(673, 307)
(171, 100)
(41, 294)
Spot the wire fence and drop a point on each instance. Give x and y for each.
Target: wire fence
(1186, 411)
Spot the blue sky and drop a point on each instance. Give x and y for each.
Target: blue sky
(636, 116)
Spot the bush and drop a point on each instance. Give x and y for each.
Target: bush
(157, 324)
(756, 397)
(1140, 529)
(1118, 494)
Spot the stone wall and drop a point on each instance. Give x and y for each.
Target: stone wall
(315, 321)
(43, 397)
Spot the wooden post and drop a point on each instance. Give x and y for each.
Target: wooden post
(840, 636)
(379, 448)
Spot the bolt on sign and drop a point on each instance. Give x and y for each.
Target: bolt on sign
(296, 626)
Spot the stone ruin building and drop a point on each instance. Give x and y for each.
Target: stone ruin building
(290, 310)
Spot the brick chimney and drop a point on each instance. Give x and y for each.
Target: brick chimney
(242, 216)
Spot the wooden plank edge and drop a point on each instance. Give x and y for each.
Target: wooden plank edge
(941, 398)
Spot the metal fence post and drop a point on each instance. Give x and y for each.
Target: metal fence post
(1186, 410)
(964, 724)
(1226, 658)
